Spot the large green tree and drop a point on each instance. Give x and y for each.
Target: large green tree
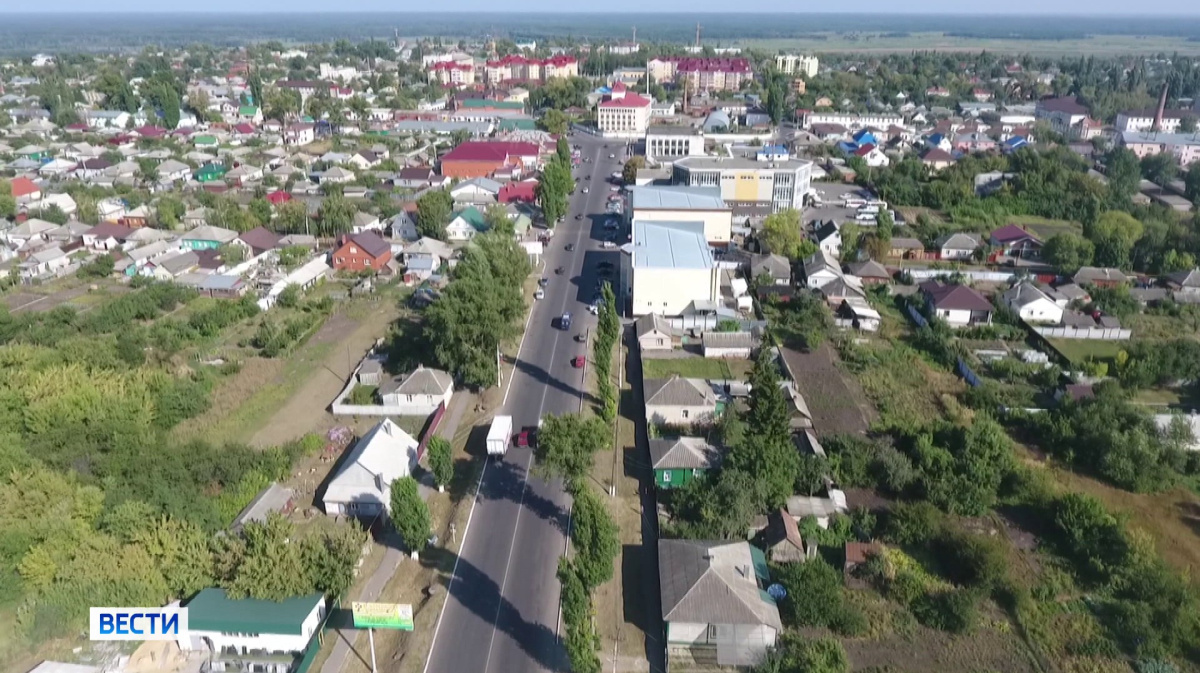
(1068, 251)
(433, 213)
(410, 514)
(781, 233)
(595, 536)
(767, 453)
(566, 445)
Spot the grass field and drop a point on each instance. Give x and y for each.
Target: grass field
(1080, 350)
(1044, 227)
(696, 368)
(866, 43)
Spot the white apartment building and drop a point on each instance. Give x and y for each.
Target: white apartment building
(333, 72)
(1143, 120)
(679, 203)
(851, 120)
(453, 73)
(792, 64)
(624, 114)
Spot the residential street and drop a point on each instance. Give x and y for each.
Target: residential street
(501, 614)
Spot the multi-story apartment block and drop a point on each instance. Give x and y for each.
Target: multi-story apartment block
(791, 64)
(522, 69)
(453, 73)
(623, 114)
(701, 74)
(1143, 120)
(1185, 146)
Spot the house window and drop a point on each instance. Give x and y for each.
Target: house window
(712, 632)
(666, 476)
(685, 413)
(696, 472)
(353, 250)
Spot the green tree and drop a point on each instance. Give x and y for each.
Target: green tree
(267, 563)
(566, 445)
(260, 208)
(169, 210)
(1068, 251)
(180, 552)
(596, 539)
(100, 267)
(1123, 173)
(1191, 182)
(781, 233)
(554, 122)
(459, 136)
(147, 171)
(1160, 168)
(331, 557)
(291, 216)
(767, 454)
(410, 514)
(1187, 123)
(1115, 224)
(336, 215)
(631, 168)
(441, 462)
(433, 213)
(498, 220)
(53, 214)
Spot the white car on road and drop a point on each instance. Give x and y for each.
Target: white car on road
(608, 244)
(539, 294)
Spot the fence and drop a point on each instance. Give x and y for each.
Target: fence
(706, 323)
(431, 429)
(1105, 333)
(985, 276)
(916, 316)
(968, 374)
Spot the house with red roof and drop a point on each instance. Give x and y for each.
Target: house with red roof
(25, 190)
(453, 73)
(872, 155)
(149, 132)
(517, 68)
(481, 158)
(1015, 241)
(361, 252)
(518, 192)
(278, 197)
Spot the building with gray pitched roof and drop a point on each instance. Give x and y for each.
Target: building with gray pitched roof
(714, 601)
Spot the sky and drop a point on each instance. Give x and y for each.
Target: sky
(943, 7)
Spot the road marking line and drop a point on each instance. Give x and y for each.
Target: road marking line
(457, 558)
(521, 345)
(508, 563)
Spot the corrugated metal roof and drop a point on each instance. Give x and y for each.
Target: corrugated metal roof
(712, 583)
(212, 610)
(677, 197)
(670, 245)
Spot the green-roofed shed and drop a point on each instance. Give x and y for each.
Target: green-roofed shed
(213, 610)
(483, 103)
(517, 125)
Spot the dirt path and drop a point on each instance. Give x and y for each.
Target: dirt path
(307, 408)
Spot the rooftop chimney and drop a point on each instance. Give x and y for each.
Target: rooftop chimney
(1158, 113)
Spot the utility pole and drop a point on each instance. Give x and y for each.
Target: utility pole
(697, 36)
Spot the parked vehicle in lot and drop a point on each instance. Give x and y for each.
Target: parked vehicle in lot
(578, 362)
(499, 435)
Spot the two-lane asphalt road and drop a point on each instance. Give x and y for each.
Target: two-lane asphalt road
(501, 614)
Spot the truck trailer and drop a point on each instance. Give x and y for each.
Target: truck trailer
(499, 435)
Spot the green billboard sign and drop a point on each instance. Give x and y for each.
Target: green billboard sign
(383, 616)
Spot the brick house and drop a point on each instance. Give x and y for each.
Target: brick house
(361, 252)
(478, 159)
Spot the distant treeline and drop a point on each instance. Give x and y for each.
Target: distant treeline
(1050, 35)
(28, 33)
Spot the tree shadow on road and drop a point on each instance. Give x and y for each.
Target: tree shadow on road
(542, 376)
(480, 594)
(505, 480)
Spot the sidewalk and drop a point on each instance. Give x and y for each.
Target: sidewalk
(392, 556)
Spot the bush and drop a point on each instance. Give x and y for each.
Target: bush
(814, 593)
(441, 461)
(954, 610)
(912, 524)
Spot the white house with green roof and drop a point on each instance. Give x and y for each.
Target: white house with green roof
(466, 224)
(263, 635)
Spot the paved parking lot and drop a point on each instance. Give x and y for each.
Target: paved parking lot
(831, 195)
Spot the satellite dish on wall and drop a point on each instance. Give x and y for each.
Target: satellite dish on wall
(776, 591)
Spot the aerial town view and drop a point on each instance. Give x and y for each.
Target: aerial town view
(641, 339)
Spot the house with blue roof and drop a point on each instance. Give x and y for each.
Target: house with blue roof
(1013, 144)
(865, 137)
(940, 141)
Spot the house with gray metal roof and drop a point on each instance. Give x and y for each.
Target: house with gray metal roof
(655, 333)
(418, 393)
(714, 602)
(679, 401)
(679, 460)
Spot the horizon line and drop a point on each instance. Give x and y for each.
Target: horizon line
(568, 12)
